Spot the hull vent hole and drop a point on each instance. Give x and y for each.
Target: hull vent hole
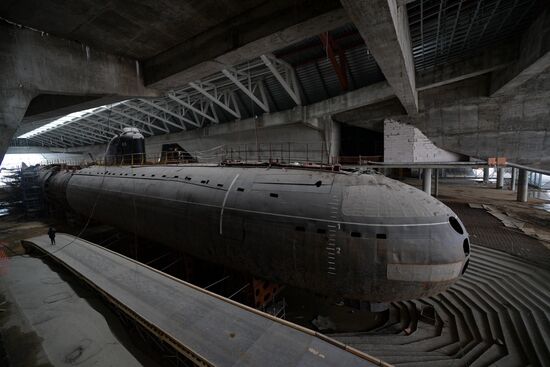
(466, 246)
(456, 225)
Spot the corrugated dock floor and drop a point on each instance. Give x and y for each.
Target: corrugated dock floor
(497, 314)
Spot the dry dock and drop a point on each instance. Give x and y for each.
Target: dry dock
(208, 329)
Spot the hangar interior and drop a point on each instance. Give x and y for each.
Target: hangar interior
(275, 183)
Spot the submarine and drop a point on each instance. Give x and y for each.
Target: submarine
(359, 236)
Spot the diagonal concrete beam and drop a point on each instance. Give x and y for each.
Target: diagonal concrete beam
(270, 26)
(534, 58)
(384, 26)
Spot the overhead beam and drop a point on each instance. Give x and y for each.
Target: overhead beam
(215, 99)
(233, 76)
(155, 116)
(163, 109)
(338, 64)
(384, 26)
(69, 139)
(271, 25)
(101, 131)
(189, 106)
(534, 58)
(289, 84)
(82, 133)
(147, 123)
(100, 123)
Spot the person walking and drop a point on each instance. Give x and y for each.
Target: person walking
(51, 234)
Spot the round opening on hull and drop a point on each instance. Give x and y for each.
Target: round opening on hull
(465, 266)
(466, 246)
(456, 225)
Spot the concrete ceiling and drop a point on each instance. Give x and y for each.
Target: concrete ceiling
(138, 29)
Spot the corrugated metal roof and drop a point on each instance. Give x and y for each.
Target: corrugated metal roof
(443, 31)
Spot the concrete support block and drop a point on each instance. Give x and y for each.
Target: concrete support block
(427, 180)
(500, 178)
(514, 178)
(523, 185)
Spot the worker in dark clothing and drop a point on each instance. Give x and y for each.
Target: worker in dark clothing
(51, 234)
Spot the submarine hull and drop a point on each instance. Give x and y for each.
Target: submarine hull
(357, 236)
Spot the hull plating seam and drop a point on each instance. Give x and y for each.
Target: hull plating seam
(279, 215)
(225, 200)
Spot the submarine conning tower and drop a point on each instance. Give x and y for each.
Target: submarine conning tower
(348, 235)
(126, 148)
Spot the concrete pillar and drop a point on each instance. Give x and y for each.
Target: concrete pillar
(523, 185)
(331, 132)
(427, 180)
(514, 178)
(539, 182)
(436, 182)
(13, 104)
(500, 178)
(485, 175)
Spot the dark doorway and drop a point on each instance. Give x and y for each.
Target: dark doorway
(356, 141)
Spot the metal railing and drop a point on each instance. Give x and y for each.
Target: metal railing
(359, 160)
(284, 153)
(281, 153)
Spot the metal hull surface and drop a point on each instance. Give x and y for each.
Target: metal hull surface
(358, 236)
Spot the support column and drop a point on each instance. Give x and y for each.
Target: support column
(539, 182)
(427, 180)
(500, 178)
(523, 186)
(485, 175)
(13, 104)
(514, 178)
(436, 182)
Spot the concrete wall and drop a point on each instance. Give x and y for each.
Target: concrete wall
(405, 143)
(209, 143)
(305, 142)
(515, 127)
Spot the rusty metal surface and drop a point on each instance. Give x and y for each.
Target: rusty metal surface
(215, 330)
(486, 230)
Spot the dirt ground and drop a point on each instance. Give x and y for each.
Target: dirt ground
(14, 228)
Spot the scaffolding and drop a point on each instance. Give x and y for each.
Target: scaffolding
(31, 192)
